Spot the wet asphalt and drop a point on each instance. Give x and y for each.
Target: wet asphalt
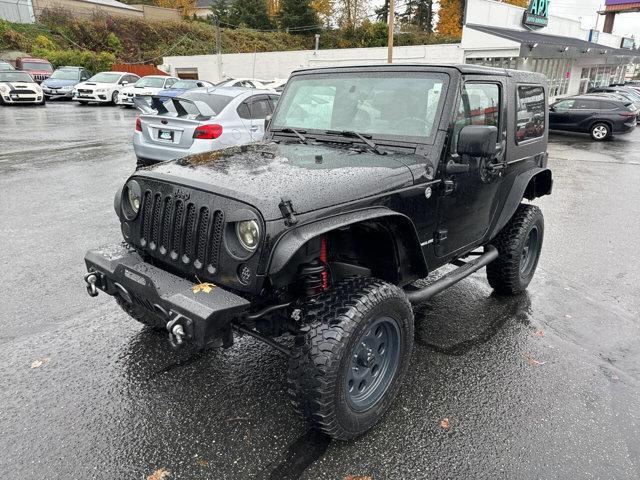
(541, 386)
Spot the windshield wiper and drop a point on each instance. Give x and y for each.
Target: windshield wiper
(298, 133)
(365, 138)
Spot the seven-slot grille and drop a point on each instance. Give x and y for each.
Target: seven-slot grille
(180, 231)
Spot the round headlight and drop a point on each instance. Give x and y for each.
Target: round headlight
(133, 195)
(248, 234)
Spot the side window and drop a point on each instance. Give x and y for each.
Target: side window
(169, 82)
(132, 78)
(274, 101)
(530, 104)
(260, 108)
(243, 110)
(479, 105)
(564, 105)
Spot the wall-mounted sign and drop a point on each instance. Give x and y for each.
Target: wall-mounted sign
(628, 43)
(537, 15)
(594, 35)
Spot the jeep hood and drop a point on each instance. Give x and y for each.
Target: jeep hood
(311, 176)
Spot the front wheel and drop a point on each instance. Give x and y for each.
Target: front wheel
(519, 245)
(114, 97)
(347, 364)
(600, 132)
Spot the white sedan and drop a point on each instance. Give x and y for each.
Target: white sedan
(148, 85)
(104, 87)
(19, 87)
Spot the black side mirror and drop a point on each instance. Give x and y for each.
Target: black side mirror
(267, 120)
(552, 108)
(478, 141)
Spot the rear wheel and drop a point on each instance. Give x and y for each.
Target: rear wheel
(519, 245)
(142, 315)
(600, 132)
(348, 363)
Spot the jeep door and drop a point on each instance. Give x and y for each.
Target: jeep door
(469, 198)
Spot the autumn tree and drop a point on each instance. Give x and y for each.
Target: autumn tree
(273, 7)
(186, 7)
(351, 12)
(250, 13)
(450, 18)
(324, 9)
(298, 14)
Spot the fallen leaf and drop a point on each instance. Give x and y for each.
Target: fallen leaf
(532, 361)
(202, 463)
(203, 287)
(539, 333)
(568, 316)
(358, 477)
(444, 423)
(159, 474)
(39, 362)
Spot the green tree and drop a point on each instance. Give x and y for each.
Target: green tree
(419, 13)
(382, 13)
(250, 13)
(220, 10)
(298, 14)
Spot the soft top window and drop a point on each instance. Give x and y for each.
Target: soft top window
(530, 115)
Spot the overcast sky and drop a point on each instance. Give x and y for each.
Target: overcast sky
(626, 24)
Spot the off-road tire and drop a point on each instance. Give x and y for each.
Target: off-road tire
(320, 363)
(142, 315)
(600, 132)
(505, 274)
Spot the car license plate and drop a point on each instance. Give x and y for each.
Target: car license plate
(165, 135)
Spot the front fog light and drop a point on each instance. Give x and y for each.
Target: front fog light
(133, 195)
(248, 234)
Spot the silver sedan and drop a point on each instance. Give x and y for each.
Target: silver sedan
(199, 120)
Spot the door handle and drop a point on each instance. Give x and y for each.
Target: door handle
(254, 129)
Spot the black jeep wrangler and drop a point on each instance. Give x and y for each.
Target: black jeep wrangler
(369, 178)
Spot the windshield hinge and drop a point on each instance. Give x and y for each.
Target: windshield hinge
(286, 207)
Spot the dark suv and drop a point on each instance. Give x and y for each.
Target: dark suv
(601, 116)
(369, 179)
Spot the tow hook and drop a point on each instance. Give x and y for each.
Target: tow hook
(176, 329)
(91, 279)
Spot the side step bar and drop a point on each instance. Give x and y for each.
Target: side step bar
(454, 276)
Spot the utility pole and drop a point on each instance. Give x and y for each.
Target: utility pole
(216, 21)
(392, 14)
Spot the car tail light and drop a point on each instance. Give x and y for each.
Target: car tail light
(208, 132)
(627, 114)
(138, 124)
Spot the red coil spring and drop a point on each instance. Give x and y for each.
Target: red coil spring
(323, 259)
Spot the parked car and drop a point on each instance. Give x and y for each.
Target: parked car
(200, 120)
(627, 92)
(277, 85)
(182, 86)
(19, 87)
(601, 117)
(104, 87)
(617, 96)
(39, 68)
(244, 83)
(322, 230)
(147, 85)
(62, 82)
(4, 65)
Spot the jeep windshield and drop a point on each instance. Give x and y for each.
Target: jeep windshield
(397, 106)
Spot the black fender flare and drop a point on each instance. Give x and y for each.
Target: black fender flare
(292, 240)
(530, 184)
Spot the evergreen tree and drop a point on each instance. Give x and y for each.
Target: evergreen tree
(220, 10)
(250, 13)
(296, 14)
(419, 13)
(382, 13)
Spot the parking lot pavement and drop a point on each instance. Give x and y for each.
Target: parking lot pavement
(541, 386)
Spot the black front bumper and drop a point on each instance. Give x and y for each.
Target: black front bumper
(204, 315)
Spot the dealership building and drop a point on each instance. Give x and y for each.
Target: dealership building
(494, 34)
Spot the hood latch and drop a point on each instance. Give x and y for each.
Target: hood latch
(289, 214)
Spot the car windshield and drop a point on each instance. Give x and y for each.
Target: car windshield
(37, 66)
(395, 105)
(5, 66)
(66, 74)
(630, 94)
(15, 77)
(153, 82)
(186, 84)
(105, 77)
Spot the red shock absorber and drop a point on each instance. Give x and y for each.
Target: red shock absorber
(323, 259)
